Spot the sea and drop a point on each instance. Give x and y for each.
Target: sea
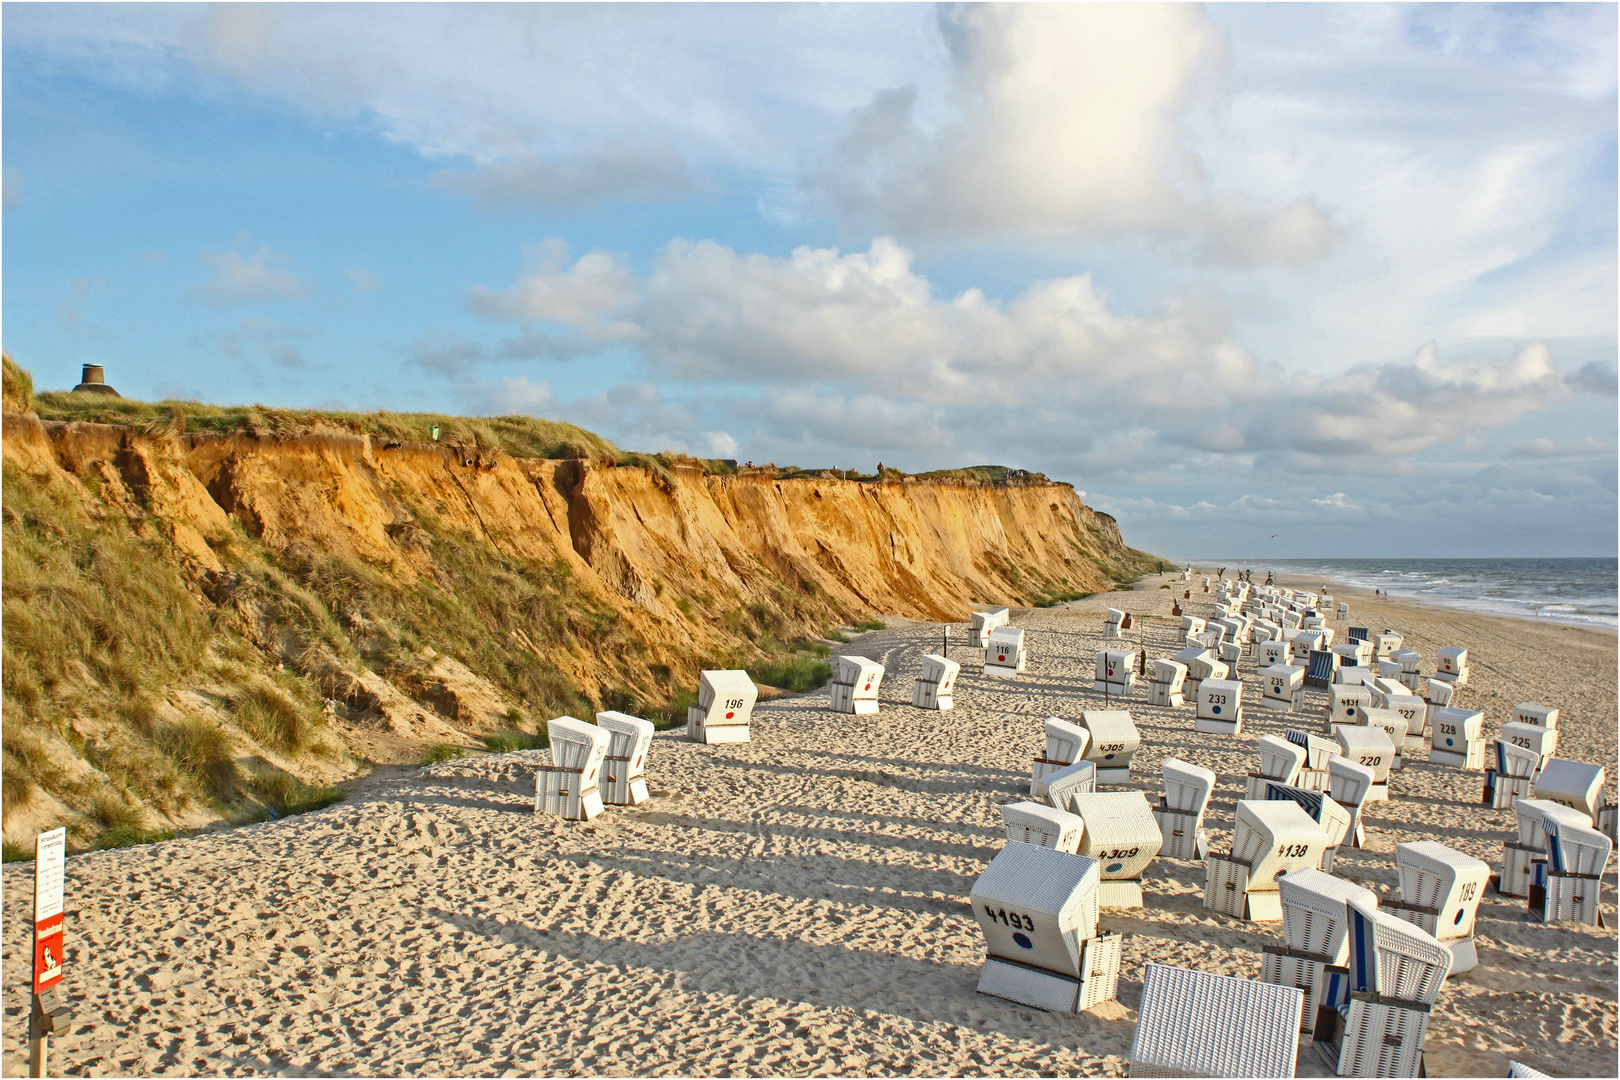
(1580, 592)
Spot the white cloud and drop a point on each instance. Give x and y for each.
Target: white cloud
(1071, 123)
(261, 276)
(70, 312)
(591, 295)
(10, 189)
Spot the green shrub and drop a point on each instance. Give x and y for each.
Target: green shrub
(505, 742)
(868, 625)
(439, 753)
(800, 672)
(289, 795)
(834, 635)
(14, 852)
(273, 718)
(115, 812)
(202, 752)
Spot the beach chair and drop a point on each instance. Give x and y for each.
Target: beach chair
(1541, 741)
(724, 707)
(1316, 936)
(1274, 653)
(1057, 789)
(1353, 676)
(1524, 858)
(1391, 723)
(1201, 664)
(1528, 712)
(1358, 633)
(1409, 659)
(983, 622)
(570, 786)
(1438, 693)
(1271, 838)
(933, 688)
(1005, 655)
(1282, 688)
(1440, 891)
(1513, 775)
(1344, 610)
(1280, 763)
(1572, 783)
(1116, 672)
(1314, 775)
(1037, 909)
(1606, 820)
(1166, 680)
(855, 685)
(1197, 1023)
(1454, 738)
(1043, 825)
(1396, 973)
(1114, 623)
(1372, 748)
(1453, 666)
(1191, 627)
(1123, 836)
(1515, 1069)
(1415, 711)
(1114, 742)
(1231, 653)
(1320, 668)
(1334, 820)
(1066, 743)
(1577, 855)
(624, 771)
(1343, 700)
(1385, 643)
(1219, 707)
(1350, 785)
(1180, 813)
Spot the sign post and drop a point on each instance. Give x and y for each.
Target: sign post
(47, 1017)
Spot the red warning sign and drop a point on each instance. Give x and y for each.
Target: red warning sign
(50, 872)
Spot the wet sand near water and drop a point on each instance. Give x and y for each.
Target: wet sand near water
(795, 905)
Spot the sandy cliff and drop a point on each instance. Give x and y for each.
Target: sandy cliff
(419, 590)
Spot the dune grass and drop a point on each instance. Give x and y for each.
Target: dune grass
(289, 795)
(505, 742)
(438, 753)
(866, 626)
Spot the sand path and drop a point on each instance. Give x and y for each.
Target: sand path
(793, 905)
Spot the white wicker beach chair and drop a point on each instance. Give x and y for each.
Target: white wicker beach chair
(1440, 891)
(1373, 748)
(724, 708)
(934, 687)
(1572, 783)
(1282, 687)
(1316, 936)
(1350, 785)
(1037, 908)
(855, 685)
(1114, 742)
(570, 786)
(1454, 737)
(1197, 1023)
(1270, 838)
(1043, 825)
(1116, 672)
(1577, 855)
(1528, 712)
(1066, 743)
(1058, 788)
(1187, 788)
(1343, 700)
(1123, 836)
(1392, 723)
(624, 779)
(1541, 741)
(1453, 666)
(1335, 821)
(1006, 653)
(1220, 707)
(1276, 652)
(983, 622)
(1280, 762)
(1165, 687)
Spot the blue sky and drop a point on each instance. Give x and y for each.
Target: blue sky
(1345, 274)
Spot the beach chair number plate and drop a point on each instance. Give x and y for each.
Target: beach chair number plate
(1015, 919)
(1374, 760)
(1293, 851)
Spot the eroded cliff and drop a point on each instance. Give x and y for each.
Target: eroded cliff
(396, 593)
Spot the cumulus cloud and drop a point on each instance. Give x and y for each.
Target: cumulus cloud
(256, 278)
(252, 340)
(593, 295)
(604, 173)
(364, 280)
(1071, 123)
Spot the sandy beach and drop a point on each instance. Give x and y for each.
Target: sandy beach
(793, 905)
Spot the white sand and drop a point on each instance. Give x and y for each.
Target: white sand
(793, 905)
